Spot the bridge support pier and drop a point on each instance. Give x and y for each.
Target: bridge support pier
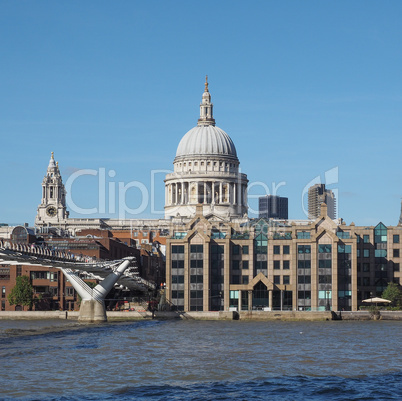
(92, 311)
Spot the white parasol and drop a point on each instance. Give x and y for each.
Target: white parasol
(376, 300)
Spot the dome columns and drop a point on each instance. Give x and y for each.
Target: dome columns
(182, 195)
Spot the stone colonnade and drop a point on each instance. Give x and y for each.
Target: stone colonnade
(206, 192)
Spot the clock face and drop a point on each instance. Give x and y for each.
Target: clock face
(51, 211)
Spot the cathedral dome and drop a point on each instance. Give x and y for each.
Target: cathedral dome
(206, 140)
(206, 174)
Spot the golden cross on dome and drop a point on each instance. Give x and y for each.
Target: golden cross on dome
(206, 83)
(52, 155)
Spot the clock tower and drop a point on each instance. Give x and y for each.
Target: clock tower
(52, 210)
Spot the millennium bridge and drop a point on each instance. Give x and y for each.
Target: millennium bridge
(124, 272)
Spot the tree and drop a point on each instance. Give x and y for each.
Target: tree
(393, 293)
(22, 293)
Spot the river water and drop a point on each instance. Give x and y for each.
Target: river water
(200, 360)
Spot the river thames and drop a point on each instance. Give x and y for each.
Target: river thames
(201, 360)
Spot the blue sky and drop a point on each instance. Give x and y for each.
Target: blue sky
(302, 88)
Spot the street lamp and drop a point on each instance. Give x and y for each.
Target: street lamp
(328, 307)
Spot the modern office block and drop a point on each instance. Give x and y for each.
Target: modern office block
(273, 207)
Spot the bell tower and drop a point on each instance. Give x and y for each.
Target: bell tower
(52, 210)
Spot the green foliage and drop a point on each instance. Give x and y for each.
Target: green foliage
(393, 293)
(22, 293)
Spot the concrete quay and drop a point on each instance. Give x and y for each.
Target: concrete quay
(244, 316)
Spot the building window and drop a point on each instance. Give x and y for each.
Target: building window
(69, 291)
(366, 267)
(245, 264)
(235, 250)
(286, 279)
(324, 263)
(304, 294)
(324, 248)
(233, 299)
(177, 248)
(244, 279)
(261, 244)
(304, 279)
(54, 291)
(396, 238)
(380, 234)
(235, 264)
(19, 272)
(366, 253)
(380, 253)
(396, 253)
(396, 267)
(303, 235)
(178, 279)
(277, 249)
(40, 275)
(286, 249)
(366, 239)
(344, 248)
(343, 234)
(304, 264)
(366, 281)
(286, 264)
(245, 249)
(277, 264)
(179, 235)
(303, 249)
(196, 248)
(5, 273)
(54, 276)
(325, 279)
(3, 292)
(277, 279)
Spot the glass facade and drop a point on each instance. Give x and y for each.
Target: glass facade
(324, 276)
(177, 252)
(217, 277)
(304, 277)
(381, 261)
(344, 277)
(196, 277)
(261, 250)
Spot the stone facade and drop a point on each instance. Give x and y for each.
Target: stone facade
(260, 265)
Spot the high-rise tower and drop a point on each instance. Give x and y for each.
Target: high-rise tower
(52, 209)
(317, 194)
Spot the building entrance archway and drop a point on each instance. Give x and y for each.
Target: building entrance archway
(260, 296)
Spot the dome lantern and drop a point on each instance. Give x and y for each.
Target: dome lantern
(206, 108)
